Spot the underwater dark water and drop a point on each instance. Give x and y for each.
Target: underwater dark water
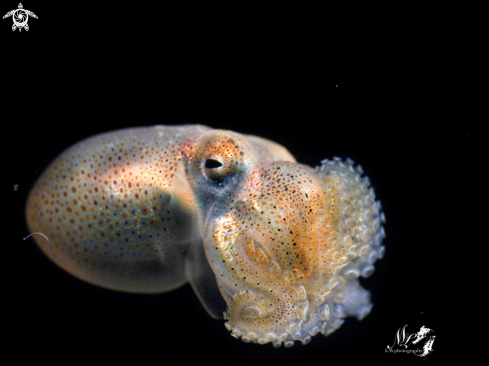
(393, 95)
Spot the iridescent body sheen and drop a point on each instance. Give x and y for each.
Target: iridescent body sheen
(147, 209)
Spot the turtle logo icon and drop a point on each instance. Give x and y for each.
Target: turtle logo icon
(20, 17)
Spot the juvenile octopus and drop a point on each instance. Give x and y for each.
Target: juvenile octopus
(273, 246)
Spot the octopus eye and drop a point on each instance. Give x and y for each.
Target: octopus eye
(215, 170)
(212, 164)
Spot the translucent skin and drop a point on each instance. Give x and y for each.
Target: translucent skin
(147, 209)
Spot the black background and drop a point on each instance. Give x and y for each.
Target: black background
(391, 88)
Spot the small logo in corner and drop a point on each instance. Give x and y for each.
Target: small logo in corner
(20, 17)
(420, 344)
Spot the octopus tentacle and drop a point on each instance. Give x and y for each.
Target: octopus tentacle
(312, 284)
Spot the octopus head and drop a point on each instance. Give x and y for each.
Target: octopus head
(286, 242)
